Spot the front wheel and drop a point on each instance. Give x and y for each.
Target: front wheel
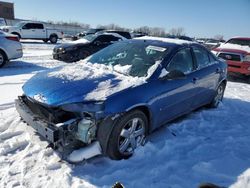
(218, 96)
(128, 133)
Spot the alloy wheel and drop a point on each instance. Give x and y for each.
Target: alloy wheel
(219, 95)
(132, 135)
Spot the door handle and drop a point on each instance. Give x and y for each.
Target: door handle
(194, 80)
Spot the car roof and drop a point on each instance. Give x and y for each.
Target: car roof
(166, 41)
(241, 38)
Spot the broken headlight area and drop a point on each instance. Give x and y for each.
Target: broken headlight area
(64, 125)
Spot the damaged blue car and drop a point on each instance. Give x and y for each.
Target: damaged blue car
(119, 95)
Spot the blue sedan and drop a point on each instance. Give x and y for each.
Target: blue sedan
(122, 93)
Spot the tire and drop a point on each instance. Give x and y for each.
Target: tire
(53, 39)
(218, 96)
(45, 40)
(3, 59)
(127, 134)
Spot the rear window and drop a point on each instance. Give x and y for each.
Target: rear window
(241, 42)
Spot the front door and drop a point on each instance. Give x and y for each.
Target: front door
(175, 96)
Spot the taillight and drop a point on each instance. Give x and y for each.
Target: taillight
(13, 38)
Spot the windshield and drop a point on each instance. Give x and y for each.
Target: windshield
(90, 38)
(239, 42)
(19, 24)
(132, 58)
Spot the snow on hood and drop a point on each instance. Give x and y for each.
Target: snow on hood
(169, 40)
(235, 47)
(105, 87)
(80, 41)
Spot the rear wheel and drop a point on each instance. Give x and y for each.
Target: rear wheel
(218, 96)
(53, 39)
(3, 59)
(127, 135)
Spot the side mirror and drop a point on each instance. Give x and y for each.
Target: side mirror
(174, 74)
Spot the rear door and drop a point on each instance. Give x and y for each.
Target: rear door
(39, 31)
(207, 76)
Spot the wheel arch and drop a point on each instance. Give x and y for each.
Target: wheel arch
(16, 33)
(4, 53)
(145, 109)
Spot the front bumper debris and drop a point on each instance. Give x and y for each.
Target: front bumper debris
(46, 130)
(64, 136)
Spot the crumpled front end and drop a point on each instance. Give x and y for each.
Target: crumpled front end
(62, 129)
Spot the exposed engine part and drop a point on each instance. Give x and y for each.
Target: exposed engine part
(86, 130)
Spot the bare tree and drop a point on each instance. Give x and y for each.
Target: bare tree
(177, 31)
(219, 37)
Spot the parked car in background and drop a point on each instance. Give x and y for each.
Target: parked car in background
(10, 48)
(82, 48)
(120, 94)
(89, 32)
(201, 40)
(236, 52)
(125, 34)
(2, 22)
(138, 34)
(212, 43)
(33, 30)
(182, 37)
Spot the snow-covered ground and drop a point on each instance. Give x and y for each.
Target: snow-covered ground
(209, 145)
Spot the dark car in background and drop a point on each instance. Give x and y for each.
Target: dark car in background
(82, 48)
(122, 93)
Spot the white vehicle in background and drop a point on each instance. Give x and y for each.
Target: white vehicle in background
(10, 48)
(2, 22)
(33, 30)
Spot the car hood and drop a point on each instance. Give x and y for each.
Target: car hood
(77, 83)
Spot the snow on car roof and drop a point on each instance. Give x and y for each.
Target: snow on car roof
(168, 40)
(240, 37)
(235, 47)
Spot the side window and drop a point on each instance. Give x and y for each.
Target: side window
(38, 26)
(201, 56)
(100, 39)
(212, 58)
(104, 39)
(28, 26)
(113, 38)
(182, 61)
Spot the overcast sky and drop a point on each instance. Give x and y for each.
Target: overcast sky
(201, 18)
